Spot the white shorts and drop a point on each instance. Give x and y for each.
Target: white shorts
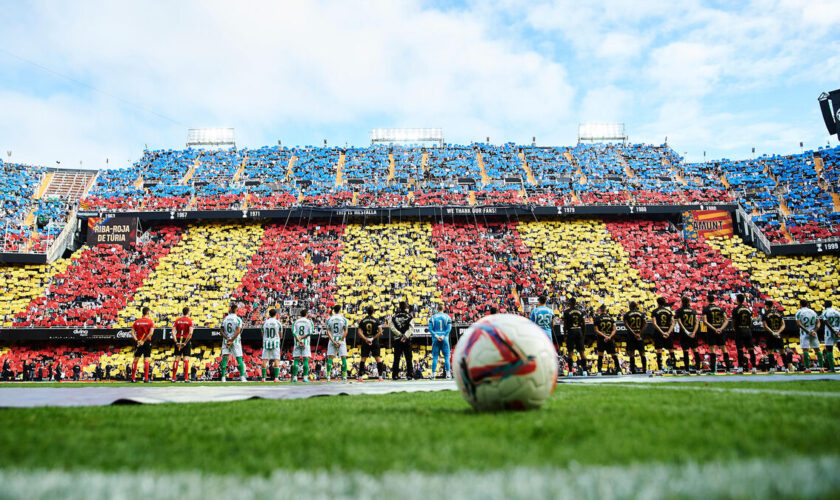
(340, 351)
(271, 353)
(301, 352)
(236, 350)
(808, 342)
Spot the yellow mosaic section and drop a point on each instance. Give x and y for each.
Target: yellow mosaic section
(383, 264)
(786, 279)
(201, 272)
(580, 257)
(20, 284)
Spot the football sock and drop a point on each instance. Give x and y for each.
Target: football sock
(276, 372)
(223, 366)
(806, 359)
(697, 361)
(329, 367)
(819, 359)
(174, 370)
(831, 359)
(380, 367)
(752, 359)
(186, 369)
(615, 360)
(134, 369)
(600, 363)
(644, 362)
(305, 367)
(263, 372)
(659, 361)
(742, 362)
(295, 368)
(146, 369)
(685, 360)
(343, 367)
(241, 363)
(727, 361)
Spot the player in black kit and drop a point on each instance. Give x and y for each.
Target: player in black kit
(742, 324)
(716, 322)
(402, 324)
(370, 331)
(635, 321)
(687, 319)
(663, 328)
(573, 324)
(774, 325)
(604, 333)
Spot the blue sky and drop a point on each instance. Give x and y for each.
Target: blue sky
(85, 81)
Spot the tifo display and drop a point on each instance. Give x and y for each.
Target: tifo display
(616, 295)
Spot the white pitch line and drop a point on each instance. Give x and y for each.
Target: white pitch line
(733, 389)
(800, 477)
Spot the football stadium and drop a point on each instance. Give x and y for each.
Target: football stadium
(418, 311)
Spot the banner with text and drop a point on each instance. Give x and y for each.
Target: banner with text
(706, 223)
(112, 231)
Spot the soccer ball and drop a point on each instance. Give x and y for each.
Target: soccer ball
(505, 362)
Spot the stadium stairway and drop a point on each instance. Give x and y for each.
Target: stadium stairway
(42, 188)
(383, 264)
(189, 175)
(484, 177)
(339, 172)
(290, 169)
(201, 271)
(529, 174)
(392, 166)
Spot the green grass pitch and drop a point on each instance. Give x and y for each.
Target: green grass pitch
(626, 431)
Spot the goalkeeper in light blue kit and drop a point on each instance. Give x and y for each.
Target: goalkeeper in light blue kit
(232, 343)
(440, 324)
(543, 316)
(302, 330)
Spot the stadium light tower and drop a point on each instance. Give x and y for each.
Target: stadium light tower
(388, 135)
(213, 137)
(600, 132)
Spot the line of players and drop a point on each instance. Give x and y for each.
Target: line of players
(683, 325)
(370, 331)
(668, 326)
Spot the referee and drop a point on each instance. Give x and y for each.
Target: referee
(402, 325)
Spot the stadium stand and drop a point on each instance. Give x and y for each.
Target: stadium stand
(98, 283)
(201, 271)
(580, 258)
(20, 285)
(785, 279)
(482, 265)
(677, 266)
(383, 264)
(295, 266)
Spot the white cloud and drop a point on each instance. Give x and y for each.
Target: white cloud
(270, 69)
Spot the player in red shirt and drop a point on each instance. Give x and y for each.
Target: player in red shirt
(182, 331)
(142, 331)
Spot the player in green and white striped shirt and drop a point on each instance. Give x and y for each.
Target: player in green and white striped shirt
(337, 330)
(272, 338)
(808, 323)
(302, 330)
(831, 319)
(232, 343)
